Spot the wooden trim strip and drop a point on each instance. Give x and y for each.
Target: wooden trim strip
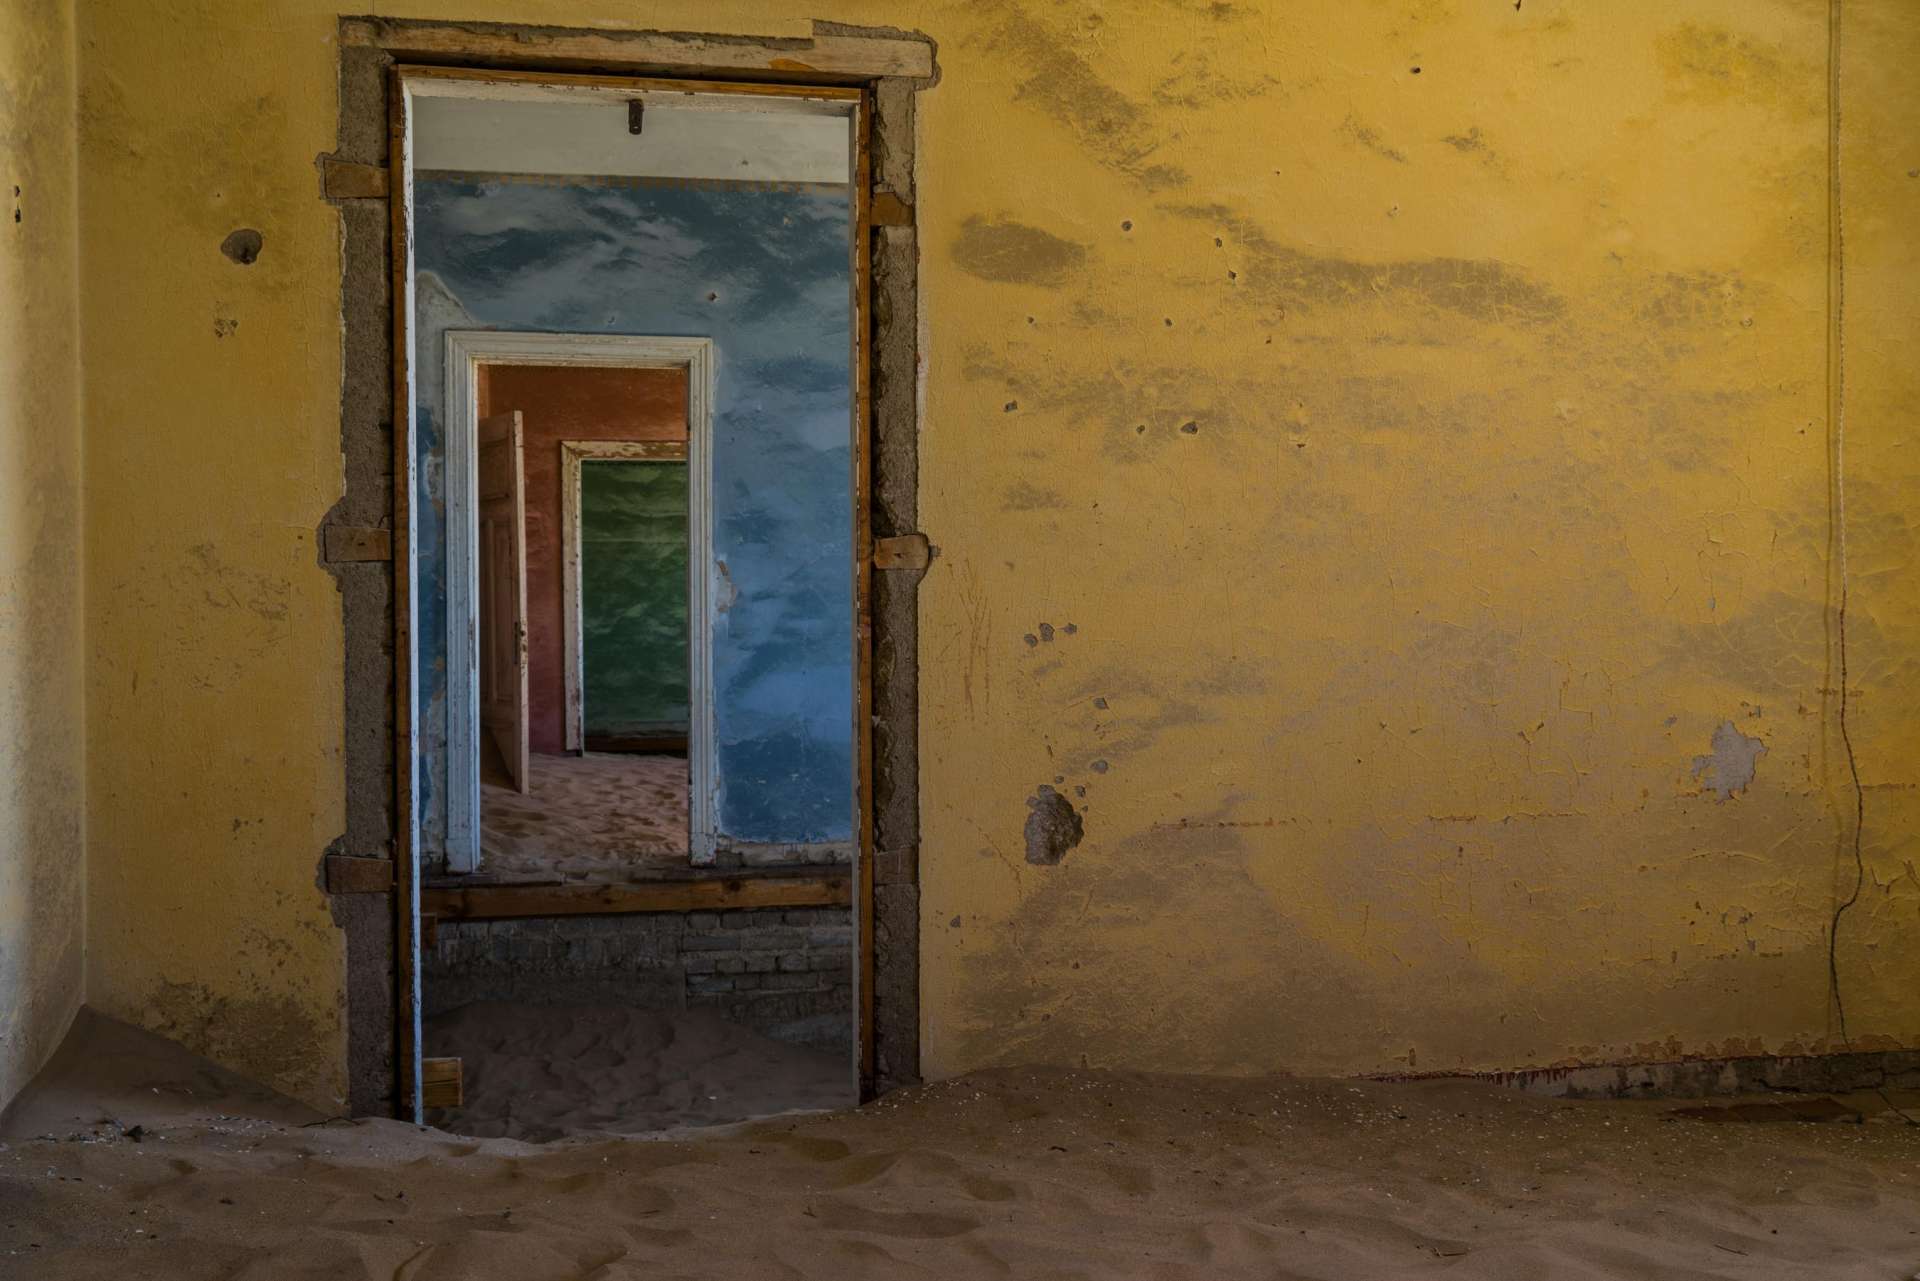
(891, 211)
(907, 551)
(497, 902)
(827, 56)
(530, 83)
(441, 1083)
(348, 180)
(863, 581)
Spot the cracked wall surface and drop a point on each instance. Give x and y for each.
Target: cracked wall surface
(1415, 470)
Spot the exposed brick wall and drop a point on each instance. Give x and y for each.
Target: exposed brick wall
(785, 972)
(789, 970)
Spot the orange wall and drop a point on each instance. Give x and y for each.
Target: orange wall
(559, 404)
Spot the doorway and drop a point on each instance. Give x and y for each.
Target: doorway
(579, 397)
(638, 466)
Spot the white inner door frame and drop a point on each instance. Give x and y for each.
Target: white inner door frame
(467, 351)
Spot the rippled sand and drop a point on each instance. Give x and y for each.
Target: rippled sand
(601, 816)
(1030, 1174)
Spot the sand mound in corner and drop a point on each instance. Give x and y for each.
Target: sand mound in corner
(108, 1077)
(537, 1072)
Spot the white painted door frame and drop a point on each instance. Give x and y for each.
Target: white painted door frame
(572, 454)
(467, 350)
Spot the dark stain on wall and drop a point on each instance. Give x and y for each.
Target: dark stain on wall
(1477, 288)
(1026, 497)
(264, 1034)
(1053, 827)
(1014, 253)
(1369, 137)
(1116, 130)
(1705, 298)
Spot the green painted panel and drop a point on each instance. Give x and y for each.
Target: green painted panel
(633, 590)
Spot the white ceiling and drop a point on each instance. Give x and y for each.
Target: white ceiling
(682, 136)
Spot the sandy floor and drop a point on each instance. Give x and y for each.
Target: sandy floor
(540, 1072)
(599, 817)
(1003, 1174)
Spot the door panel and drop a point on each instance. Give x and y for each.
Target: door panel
(503, 590)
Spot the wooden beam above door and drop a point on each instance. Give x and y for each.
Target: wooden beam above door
(827, 55)
(708, 894)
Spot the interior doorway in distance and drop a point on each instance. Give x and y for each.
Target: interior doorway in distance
(557, 223)
(589, 781)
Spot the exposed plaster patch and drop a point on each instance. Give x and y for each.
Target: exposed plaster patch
(1053, 827)
(243, 246)
(1730, 767)
(1014, 253)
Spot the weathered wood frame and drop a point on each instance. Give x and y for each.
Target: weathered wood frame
(466, 351)
(366, 179)
(573, 453)
(707, 894)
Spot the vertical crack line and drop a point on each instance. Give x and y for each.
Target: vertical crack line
(1837, 509)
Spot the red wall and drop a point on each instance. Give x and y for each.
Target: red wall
(558, 403)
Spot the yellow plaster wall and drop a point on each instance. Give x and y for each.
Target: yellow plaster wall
(42, 857)
(1502, 485)
(1414, 471)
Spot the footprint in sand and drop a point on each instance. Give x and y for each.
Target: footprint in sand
(981, 1188)
(814, 1149)
(841, 1217)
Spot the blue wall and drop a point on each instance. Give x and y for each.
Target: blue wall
(764, 273)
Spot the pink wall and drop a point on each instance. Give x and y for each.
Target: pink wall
(556, 404)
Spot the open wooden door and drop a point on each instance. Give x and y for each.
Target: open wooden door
(503, 590)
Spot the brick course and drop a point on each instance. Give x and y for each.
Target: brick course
(785, 972)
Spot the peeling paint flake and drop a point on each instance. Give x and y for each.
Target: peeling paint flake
(1053, 827)
(1730, 767)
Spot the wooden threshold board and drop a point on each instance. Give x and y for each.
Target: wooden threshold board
(494, 902)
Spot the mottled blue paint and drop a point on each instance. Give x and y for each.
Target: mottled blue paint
(765, 275)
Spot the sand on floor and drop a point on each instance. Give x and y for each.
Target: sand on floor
(540, 1072)
(597, 817)
(1008, 1173)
